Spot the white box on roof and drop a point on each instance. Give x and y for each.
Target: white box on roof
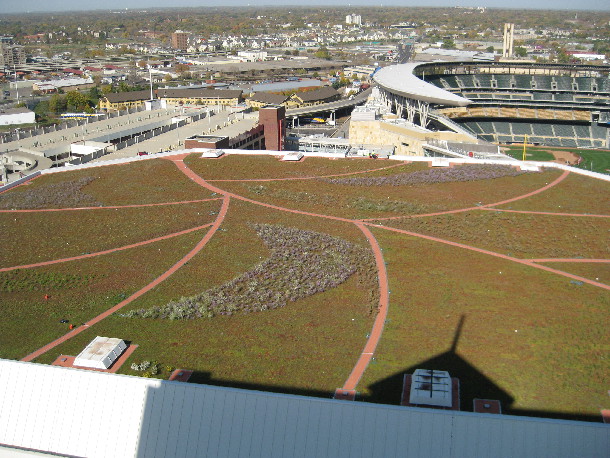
(213, 153)
(100, 353)
(431, 387)
(293, 156)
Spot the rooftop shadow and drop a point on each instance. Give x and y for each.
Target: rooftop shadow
(473, 384)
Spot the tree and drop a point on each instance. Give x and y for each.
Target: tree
(57, 104)
(123, 87)
(94, 95)
(520, 51)
(448, 43)
(41, 110)
(490, 49)
(76, 101)
(323, 53)
(181, 68)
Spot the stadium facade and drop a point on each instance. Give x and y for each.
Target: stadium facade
(503, 103)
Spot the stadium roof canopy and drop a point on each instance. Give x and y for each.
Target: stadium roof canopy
(74, 412)
(400, 80)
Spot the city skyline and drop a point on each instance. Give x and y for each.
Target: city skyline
(76, 5)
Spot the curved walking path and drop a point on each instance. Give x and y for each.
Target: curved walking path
(382, 314)
(215, 225)
(555, 182)
(529, 212)
(197, 179)
(377, 330)
(527, 262)
(113, 207)
(311, 177)
(480, 207)
(583, 260)
(375, 335)
(111, 250)
(364, 225)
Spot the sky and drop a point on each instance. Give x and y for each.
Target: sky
(21, 6)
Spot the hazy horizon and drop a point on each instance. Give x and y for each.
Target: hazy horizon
(34, 6)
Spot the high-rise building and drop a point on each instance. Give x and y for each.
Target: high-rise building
(11, 55)
(507, 44)
(355, 19)
(180, 40)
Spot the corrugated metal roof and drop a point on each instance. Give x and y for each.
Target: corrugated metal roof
(95, 414)
(131, 96)
(325, 92)
(401, 80)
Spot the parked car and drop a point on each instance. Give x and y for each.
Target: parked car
(143, 153)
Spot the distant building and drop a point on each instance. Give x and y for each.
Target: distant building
(14, 116)
(66, 84)
(323, 95)
(507, 44)
(123, 100)
(355, 19)
(359, 71)
(206, 97)
(261, 99)
(252, 56)
(180, 40)
(11, 55)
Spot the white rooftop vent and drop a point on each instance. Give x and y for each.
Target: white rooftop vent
(213, 153)
(293, 156)
(100, 353)
(430, 387)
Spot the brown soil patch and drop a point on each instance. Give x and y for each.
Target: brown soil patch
(564, 156)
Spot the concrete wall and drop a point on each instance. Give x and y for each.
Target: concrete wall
(407, 141)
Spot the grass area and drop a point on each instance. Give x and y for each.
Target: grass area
(553, 365)
(532, 153)
(29, 321)
(36, 237)
(560, 340)
(142, 182)
(344, 200)
(593, 271)
(512, 234)
(301, 264)
(238, 167)
(594, 160)
(307, 346)
(575, 194)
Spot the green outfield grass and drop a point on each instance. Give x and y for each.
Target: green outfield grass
(594, 160)
(533, 153)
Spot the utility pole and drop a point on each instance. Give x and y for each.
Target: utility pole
(16, 85)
